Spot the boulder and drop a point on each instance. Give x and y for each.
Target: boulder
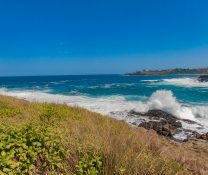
(162, 128)
(203, 136)
(203, 78)
(196, 135)
(157, 114)
(162, 122)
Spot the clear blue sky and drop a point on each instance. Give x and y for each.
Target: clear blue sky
(40, 37)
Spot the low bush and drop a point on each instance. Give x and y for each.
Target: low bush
(30, 150)
(89, 164)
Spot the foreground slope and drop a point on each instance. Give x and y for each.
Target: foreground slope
(56, 139)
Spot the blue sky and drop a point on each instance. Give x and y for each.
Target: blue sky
(44, 37)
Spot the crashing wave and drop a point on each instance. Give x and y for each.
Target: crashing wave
(187, 82)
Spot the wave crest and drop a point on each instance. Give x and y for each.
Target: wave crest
(187, 82)
(161, 99)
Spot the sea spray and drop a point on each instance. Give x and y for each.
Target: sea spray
(166, 101)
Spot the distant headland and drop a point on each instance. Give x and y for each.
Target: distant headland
(176, 71)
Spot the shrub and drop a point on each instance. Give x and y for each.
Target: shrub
(90, 164)
(47, 113)
(29, 150)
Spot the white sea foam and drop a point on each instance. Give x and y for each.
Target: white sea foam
(161, 99)
(107, 86)
(93, 87)
(149, 80)
(187, 82)
(59, 82)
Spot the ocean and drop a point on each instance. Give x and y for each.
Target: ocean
(115, 95)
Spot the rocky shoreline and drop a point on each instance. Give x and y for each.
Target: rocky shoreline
(167, 125)
(192, 150)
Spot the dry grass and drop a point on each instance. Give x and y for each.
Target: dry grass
(123, 149)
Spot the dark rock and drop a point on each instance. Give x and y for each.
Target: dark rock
(189, 121)
(134, 123)
(159, 115)
(196, 135)
(167, 125)
(203, 78)
(204, 136)
(162, 128)
(164, 123)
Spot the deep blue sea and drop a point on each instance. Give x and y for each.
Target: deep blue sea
(114, 95)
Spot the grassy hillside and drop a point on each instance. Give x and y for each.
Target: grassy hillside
(57, 139)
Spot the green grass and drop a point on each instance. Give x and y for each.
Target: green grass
(57, 139)
(8, 110)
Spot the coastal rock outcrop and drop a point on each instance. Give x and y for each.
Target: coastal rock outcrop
(203, 78)
(204, 136)
(162, 122)
(162, 128)
(196, 135)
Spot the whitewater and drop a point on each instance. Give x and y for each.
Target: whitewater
(115, 95)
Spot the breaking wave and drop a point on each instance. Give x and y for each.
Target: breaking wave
(161, 99)
(187, 82)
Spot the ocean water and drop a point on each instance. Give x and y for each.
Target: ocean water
(115, 95)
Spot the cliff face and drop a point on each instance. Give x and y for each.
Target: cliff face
(171, 72)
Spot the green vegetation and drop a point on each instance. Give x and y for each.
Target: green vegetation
(29, 150)
(57, 139)
(176, 71)
(8, 111)
(90, 164)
